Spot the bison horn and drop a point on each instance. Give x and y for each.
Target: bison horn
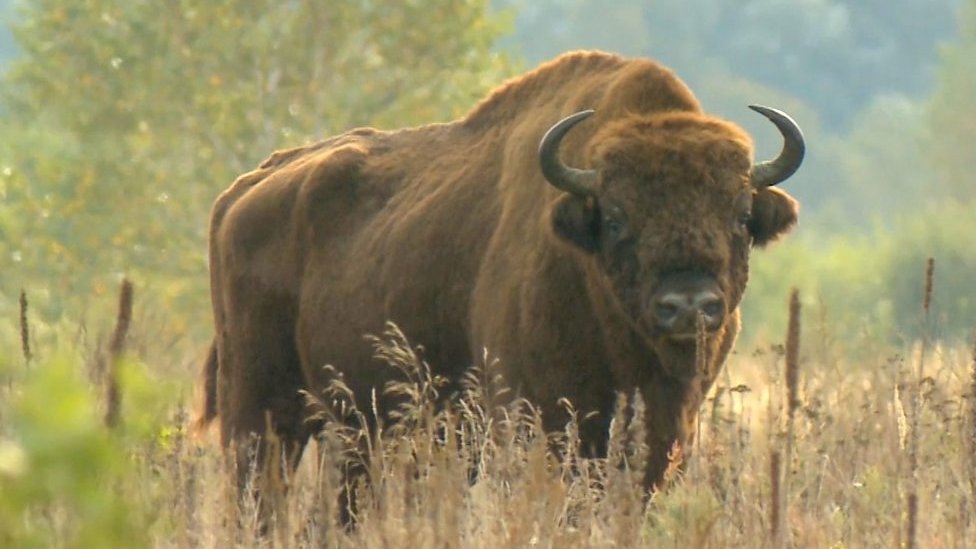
(771, 172)
(572, 180)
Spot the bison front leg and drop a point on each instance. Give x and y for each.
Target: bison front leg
(668, 451)
(671, 420)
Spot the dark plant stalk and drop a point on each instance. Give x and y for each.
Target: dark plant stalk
(775, 498)
(911, 532)
(912, 507)
(25, 330)
(929, 279)
(113, 396)
(793, 359)
(792, 376)
(779, 464)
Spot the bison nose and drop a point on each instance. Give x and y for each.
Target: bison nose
(676, 313)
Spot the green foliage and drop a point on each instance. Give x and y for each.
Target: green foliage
(944, 233)
(880, 166)
(7, 47)
(952, 116)
(129, 117)
(834, 281)
(62, 473)
(871, 287)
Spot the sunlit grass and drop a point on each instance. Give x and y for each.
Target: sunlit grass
(67, 480)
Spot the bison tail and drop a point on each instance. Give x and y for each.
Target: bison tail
(207, 410)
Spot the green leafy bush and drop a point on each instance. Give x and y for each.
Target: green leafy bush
(871, 286)
(65, 479)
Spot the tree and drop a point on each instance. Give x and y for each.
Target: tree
(129, 116)
(7, 47)
(952, 114)
(881, 166)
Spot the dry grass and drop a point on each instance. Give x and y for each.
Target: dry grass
(842, 485)
(468, 477)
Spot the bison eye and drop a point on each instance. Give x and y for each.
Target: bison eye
(614, 228)
(743, 220)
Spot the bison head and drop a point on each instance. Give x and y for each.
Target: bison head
(669, 212)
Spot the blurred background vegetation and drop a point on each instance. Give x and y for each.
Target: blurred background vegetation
(122, 120)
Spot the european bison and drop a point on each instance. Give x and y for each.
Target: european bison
(581, 257)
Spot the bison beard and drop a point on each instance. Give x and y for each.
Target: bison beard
(582, 264)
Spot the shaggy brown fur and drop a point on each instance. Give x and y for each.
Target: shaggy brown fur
(451, 231)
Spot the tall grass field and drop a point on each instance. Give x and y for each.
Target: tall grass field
(803, 442)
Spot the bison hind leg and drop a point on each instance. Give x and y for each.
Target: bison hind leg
(266, 465)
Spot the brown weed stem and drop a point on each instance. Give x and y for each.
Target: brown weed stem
(24, 330)
(113, 397)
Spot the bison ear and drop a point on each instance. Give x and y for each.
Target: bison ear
(773, 214)
(576, 220)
